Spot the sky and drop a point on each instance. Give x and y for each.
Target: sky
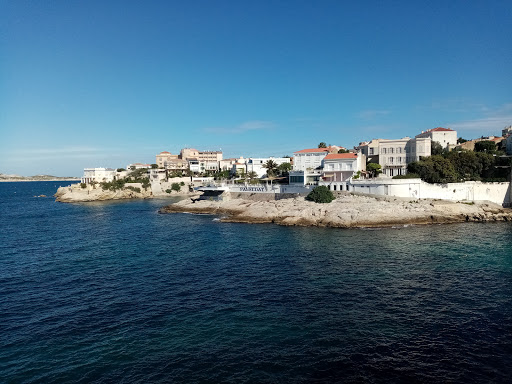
(109, 83)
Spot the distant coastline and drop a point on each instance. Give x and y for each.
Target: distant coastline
(13, 178)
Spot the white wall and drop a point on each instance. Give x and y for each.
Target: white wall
(415, 188)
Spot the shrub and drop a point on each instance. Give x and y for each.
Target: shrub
(320, 194)
(410, 175)
(168, 190)
(182, 183)
(175, 187)
(83, 185)
(134, 189)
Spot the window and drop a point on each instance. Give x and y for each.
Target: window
(371, 151)
(391, 150)
(390, 160)
(383, 151)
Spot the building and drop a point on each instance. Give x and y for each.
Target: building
(135, 166)
(507, 131)
(339, 168)
(394, 155)
(445, 136)
(98, 175)
(256, 165)
(176, 165)
(509, 145)
(307, 166)
(227, 164)
(470, 144)
(208, 160)
(164, 157)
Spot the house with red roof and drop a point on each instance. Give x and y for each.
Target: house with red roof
(310, 166)
(339, 168)
(445, 136)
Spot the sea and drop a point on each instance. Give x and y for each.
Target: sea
(115, 292)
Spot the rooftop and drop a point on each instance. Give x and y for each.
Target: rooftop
(313, 150)
(334, 156)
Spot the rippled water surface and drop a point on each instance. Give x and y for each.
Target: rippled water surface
(115, 292)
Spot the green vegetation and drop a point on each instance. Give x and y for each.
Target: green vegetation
(182, 183)
(322, 145)
(461, 165)
(485, 146)
(175, 187)
(357, 175)
(121, 169)
(437, 148)
(83, 185)
(408, 176)
(271, 166)
(343, 151)
(134, 189)
(113, 185)
(374, 169)
(154, 166)
(284, 169)
(320, 194)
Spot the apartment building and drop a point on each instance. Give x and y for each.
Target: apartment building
(445, 136)
(394, 155)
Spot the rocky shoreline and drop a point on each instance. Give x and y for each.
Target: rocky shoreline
(347, 211)
(75, 194)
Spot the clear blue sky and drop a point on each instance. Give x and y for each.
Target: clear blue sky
(107, 83)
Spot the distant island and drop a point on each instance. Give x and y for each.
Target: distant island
(7, 178)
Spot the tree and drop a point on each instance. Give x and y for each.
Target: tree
(175, 187)
(322, 145)
(460, 140)
(466, 164)
(252, 175)
(485, 146)
(320, 194)
(271, 167)
(434, 169)
(154, 166)
(343, 151)
(121, 169)
(374, 169)
(437, 148)
(284, 168)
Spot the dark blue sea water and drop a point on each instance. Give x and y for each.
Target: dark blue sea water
(114, 292)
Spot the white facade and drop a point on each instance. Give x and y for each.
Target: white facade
(257, 164)
(309, 159)
(394, 155)
(444, 136)
(138, 166)
(98, 175)
(339, 168)
(417, 189)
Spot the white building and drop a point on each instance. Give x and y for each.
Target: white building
(98, 175)
(257, 164)
(309, 159)
(339, 168)
(444, 136)
(135, 166)
(394, 155)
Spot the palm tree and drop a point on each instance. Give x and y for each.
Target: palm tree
(271, 166)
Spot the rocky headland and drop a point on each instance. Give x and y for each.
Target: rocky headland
(346, 211)
(76, 194)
